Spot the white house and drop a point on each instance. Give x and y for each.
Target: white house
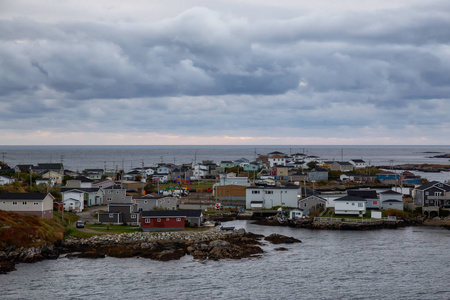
(6, 180)
(228, 179)
(350, 205)
(86, 196)
(391, 199)
(270, 196)
(37, 204)
(72, 205)
(358, 163)
(277, 160)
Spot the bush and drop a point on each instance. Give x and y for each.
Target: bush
(396, 212)
(443, 212)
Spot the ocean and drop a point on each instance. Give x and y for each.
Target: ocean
(83, 157)
(404, 263)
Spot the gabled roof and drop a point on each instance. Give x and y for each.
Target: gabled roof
(343, 163)
(276, 156)
(366, 194)
(81, 190)
(357, 160)
(23, 196)
(350, 198)
(390, 192)
(431, 184)
(191, 212)
(313, 196)
(163, 213)
(82, 179)
(48, 166)
(392, 200)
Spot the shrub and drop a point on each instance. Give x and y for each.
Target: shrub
(396, 212)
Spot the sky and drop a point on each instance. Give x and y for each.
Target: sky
(214, 72)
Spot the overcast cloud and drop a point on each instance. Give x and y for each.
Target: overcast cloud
(230, 72)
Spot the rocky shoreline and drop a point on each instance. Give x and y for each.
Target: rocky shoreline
(213, 244)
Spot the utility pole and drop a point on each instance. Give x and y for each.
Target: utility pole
(142, 179)
(30, 179)
(3, 156)
(121, 176)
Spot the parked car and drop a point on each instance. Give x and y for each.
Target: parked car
(80, 224)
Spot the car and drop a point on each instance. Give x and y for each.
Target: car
(80, 224)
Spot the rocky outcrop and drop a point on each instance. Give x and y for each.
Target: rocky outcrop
(12, 255)
(276, 239)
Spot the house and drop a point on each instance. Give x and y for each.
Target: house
(270, 196)
(241, 162)
(281, 172)
(161, 220)
(358, 163)
(342, 166)
(388, 177)
(226, 164)
(311, 203)
(350, 205)
(36, 204)
(161, 178)
(120, 213)
(163, 169)
(193, 216)
(86, 196)
(45, 181)
(229, 192)
(6, 180)
(432, 193)
(300, 177)
(409, 178)
(354, 177)
(47, 167)
(103, 183)
(372, 201)
(317, 174)
(276, 160)
(116, 194)
(151, 203)
(24, 168)
(79, 182)
(73, 205)
(251, 167)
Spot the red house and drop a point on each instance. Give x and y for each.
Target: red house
(161, 220)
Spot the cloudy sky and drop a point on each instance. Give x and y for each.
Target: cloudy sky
(254, 72)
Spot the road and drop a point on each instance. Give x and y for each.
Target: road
(87, 216)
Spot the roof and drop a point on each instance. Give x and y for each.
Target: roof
(343, 163)
(256, 201)
(428, 185)
(357, 160)
(82, 179)
(392, 200)
(120, 204)
(191, 212)
(86, 190)
(390, 192)
(350, 198)
(372, 194)
(313, 196)
(271, 187)
(23, 196)
(163, 213)
(50, 166)
(276, 156)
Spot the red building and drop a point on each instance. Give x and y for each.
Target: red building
(161, 220)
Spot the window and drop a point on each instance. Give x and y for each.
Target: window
(269, 192)
(14, 202)
(145, 201)
(167, 219)
(353, 204)
(35, 203)
(117, 192)
(147, 220)
(109, 199)
(133, 216)
(109, 192)
(427, 193)
(111, 215)
(255, 192)
(159, 220)
(178, 219)
(24, 203)
(305, 204)
(360, 205)
(437, 193)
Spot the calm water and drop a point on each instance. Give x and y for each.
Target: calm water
(408, 263)
(83, 157)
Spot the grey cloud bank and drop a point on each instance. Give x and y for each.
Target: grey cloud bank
(211, 75)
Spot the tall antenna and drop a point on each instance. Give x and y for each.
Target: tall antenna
(121, 176)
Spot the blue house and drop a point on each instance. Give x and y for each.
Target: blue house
(251, 167)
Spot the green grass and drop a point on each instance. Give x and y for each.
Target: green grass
(77, 233)
(113, 228)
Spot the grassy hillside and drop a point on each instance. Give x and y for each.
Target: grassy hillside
(27, 231)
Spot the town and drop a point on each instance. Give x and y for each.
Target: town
(171, 197)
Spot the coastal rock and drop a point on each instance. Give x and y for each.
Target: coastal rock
(6, 267)
(276, 238)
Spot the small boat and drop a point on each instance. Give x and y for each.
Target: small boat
(227, 228)
(208, 224)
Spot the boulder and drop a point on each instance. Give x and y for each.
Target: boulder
(7, 266)
(276, 238)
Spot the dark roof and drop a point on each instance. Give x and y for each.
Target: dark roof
(358, 160)
(343, 163)
(372, 194)
(23, 196)
(392, 200)
(256, 201)
(428, 185)
(87, 190)
(390, 192)
(82, 179)
(350, 198)
(46, 166)
(163, 213)
(191, 212)
(120, 204)
(315, 196)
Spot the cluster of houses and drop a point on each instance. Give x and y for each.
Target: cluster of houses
(279, 177)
